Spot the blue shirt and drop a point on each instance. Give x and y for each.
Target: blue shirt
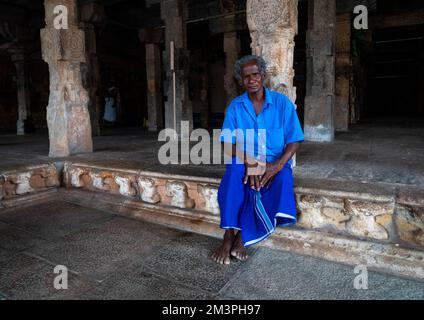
(278, 118)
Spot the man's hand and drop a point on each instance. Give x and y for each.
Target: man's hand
(271, 170)
(253, 172)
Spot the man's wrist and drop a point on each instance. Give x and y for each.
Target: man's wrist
(281, 162)
(249, 160)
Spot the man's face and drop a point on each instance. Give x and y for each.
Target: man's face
(251, 78)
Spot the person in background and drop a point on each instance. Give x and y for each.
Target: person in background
(112, 102)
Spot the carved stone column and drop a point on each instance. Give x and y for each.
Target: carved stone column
(22, 81)
(204, 102)
(320, 78)
(231, 49)
(92, 17)
(343, 71)
(174, 12)
(273, 26)
(68, 119)
(154, 94)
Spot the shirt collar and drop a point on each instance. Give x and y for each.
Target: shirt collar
(267, 101)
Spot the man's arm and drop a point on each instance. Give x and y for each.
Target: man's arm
(232, 151)
(273, 168)
(254, 168)
(290, 150)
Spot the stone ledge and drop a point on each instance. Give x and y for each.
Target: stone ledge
(377, 256)
(348, 189)
(410, 196)
(178, 191)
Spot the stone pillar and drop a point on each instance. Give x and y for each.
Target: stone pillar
(273, 26)
(174, 12)
(343, 72)
(420, 100)
(204, 102)
(154, 94)
(22, 81)
(231, 49)
(92, 16)
(68, 118)
(320, 85)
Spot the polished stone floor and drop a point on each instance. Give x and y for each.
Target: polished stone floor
(111, 257)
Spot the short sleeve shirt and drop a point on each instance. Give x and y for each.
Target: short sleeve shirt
(270, 131)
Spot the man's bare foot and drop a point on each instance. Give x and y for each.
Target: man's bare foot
(238, 250)
(222, 254)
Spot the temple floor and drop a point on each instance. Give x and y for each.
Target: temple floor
(113, 257)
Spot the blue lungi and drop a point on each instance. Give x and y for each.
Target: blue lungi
(256, 214)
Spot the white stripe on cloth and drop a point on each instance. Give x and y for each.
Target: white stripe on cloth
(279, 215)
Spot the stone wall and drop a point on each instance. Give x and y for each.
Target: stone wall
(180, 192)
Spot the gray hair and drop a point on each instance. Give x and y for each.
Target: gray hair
(242, 61)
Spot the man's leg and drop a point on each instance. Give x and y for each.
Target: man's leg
(222, 253)
(230, 198)
(238, 250)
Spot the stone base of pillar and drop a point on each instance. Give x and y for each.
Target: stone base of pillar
(20, 127)
(318, 133)
(319, 118)
(71, 135)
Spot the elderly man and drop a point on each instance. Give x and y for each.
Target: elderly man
(256, 192)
